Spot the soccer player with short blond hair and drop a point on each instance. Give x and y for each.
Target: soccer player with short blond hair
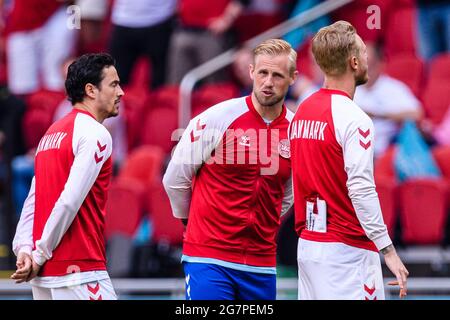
(337, 212)
(238, 153)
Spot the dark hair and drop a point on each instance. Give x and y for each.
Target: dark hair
(86, 69)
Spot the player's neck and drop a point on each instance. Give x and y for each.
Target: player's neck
(270, 112)
(344, 83)
(86, 107)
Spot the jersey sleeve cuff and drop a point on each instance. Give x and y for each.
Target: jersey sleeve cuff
(38, 258)
(382, 241)
(25, 249)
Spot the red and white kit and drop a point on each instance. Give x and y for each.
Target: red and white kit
(63, 217)
(337, 211)
(242, 171)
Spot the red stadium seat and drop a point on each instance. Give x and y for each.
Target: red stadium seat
(387, 193)
(249, 25)
(144, 164)
(356, 13)
(384, 165)
(442, 156)
(423, 211)
(408, 69)
(135, 108)
(140, 76)
(158, 128)
(211, 94)
(440, 68)
(41, 107)
(34, 125)
(165, 97)
(45, 100)
(305, 58)
(436, 101)
(400, 37)
(166, 228)
(123, 208)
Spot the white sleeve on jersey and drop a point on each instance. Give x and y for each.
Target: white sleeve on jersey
(23, 240)
(198, 141)
(355, 133)
(83, 173)
(288, 198)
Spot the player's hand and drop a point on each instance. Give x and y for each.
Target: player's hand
(24, 267)
(34, 272)
(403, 292)
(397, 267)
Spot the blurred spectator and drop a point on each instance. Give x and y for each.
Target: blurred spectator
(93, 14)
(38, 42)
(434, 27)
(259, 16)
(386, 100)
(11, 139)
(11, 113)
(241, 70)
(142, 27)
(308, 82)
(202, 34)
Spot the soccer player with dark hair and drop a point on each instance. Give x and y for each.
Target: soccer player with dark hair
(59, 240)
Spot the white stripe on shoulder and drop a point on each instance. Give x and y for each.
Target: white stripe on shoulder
(345, 112)
(223, 114)
(289, 115)
(87, 127)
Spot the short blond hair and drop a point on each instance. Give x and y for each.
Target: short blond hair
(275, 47)
(333, 45)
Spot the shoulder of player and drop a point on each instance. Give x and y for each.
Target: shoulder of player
(289, 115)
(386, 82)
(347, 111)
(90, 129)
(221, 115)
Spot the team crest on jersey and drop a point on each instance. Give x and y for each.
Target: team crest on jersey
(245, 141)
(284, 148)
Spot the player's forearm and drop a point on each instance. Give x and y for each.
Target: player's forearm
(288, 198)
(179, 191)
(58, 222)
(406, 115)
(368, 211)
(56, 226)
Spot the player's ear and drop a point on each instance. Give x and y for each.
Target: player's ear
(354, 63)
(90, 90)
(294, 77)
(251, 69)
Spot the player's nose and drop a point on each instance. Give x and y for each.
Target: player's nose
(121, 92)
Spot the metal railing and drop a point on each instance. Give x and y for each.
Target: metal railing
(193, 76)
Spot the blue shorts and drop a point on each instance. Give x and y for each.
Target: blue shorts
(205, 281)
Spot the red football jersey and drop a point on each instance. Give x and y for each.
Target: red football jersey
(332, 159)
(242, 184)
(66, 204)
